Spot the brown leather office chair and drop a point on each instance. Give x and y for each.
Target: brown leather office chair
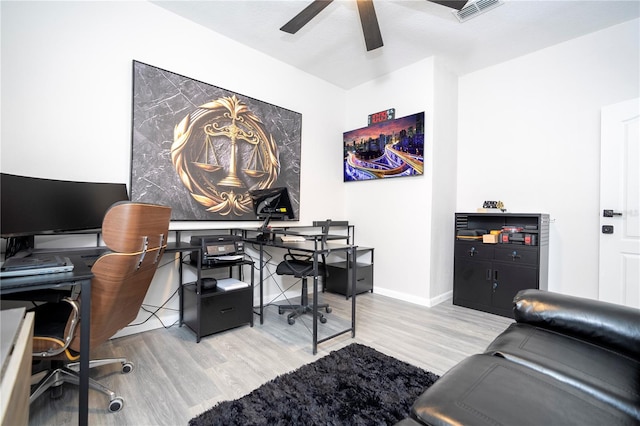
(136, 235)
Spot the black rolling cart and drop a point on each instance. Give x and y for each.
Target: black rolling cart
(211, 310)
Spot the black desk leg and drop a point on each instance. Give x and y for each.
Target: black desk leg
(354, 267)
(252, 288)
(315, 302)
(85, 335)
(180, 289)
(261, 284)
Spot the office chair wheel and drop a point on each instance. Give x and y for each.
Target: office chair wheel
(127, 367)
(328, 309)
(322, 319)
(116, 404)
(280, 311)
(56, 392)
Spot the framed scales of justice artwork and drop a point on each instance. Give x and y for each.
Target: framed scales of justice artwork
(199, 148)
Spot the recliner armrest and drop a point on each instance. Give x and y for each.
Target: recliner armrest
(605, 324)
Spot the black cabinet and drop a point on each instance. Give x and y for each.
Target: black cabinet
(211, 311)
(339, 274)
(488, 275)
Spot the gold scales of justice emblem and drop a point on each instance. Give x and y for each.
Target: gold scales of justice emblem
(220, 151)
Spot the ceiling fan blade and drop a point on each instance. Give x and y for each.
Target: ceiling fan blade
(453, 4)
(302, 18)
(370, 27)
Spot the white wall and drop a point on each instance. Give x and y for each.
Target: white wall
(444, 165)
(529, 135)
(398, 216)
(66, 98)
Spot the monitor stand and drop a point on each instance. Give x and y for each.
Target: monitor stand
(264, 235)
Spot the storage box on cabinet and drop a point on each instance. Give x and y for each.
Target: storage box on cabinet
(339, 276)
(339, 279)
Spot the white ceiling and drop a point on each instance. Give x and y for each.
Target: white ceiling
(332, 48)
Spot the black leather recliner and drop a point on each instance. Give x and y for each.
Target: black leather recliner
(566, 360)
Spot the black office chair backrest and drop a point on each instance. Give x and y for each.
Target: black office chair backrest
(300, 264)
(326, 225)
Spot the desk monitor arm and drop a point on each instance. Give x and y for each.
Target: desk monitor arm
(265, 224)
(263, 234)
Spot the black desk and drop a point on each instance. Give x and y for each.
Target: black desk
(316, 247)
(182, 247)
(81, 275)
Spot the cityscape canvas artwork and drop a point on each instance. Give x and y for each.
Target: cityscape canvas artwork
(392, 148)
(200, 149)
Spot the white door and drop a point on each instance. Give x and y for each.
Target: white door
(620, 204)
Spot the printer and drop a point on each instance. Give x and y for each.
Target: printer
(217, 248)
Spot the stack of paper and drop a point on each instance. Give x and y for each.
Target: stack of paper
(231, 284)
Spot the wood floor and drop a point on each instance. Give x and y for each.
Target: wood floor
(176, 378)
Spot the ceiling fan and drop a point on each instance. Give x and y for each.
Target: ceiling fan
(368, 19)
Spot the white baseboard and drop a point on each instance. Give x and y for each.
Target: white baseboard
(413, 299)
(442, 298)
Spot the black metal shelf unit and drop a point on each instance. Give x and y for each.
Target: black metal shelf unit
(207, 312)
(487, 276)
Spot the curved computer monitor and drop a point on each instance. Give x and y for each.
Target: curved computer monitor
(271, 203)
(34, 206)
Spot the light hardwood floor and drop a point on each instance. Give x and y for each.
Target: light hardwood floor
(176, 378)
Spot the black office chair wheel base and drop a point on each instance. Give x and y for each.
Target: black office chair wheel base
(116, 404)
(291, 320)
(127, 367)
(328, 309)
(280, 311)
(322, 319)
(56, 392)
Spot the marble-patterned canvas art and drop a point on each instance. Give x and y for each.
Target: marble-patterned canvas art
(199, 148)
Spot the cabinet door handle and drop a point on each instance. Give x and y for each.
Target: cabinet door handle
(495, 276)
(515, 255)
(488, 274)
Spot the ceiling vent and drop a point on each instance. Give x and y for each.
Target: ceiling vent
(476, 8)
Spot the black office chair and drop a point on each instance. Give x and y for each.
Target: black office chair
(300, 265)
